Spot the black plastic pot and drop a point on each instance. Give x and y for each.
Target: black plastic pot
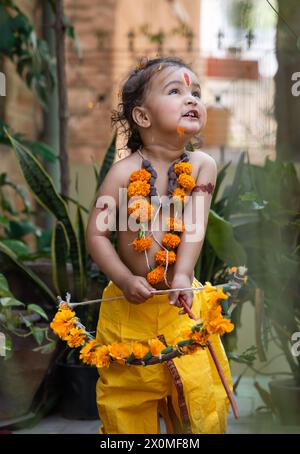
(78, 391)
(286, 397)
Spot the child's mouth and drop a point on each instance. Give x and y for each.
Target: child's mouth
(192, 115)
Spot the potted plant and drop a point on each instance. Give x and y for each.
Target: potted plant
(28, 349)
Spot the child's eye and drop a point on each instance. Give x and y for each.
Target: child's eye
(196, 93)
(173, 90)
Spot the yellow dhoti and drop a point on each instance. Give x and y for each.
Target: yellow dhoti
(129, 398)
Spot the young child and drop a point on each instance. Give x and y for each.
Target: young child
(161, 111)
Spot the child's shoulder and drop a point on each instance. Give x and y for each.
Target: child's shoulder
(122, 169)
(202, 160)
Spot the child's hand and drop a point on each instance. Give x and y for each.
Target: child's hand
(181, 281)
(137, 289)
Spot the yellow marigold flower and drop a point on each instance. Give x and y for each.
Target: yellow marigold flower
(161, 257)
(139, 350)
(142, 244)
(175, 224)
(171, 240)
(179, 195)
(119, 352)
(156, 346)
(183, 167)
(140, 209)
(76, 337)
(200, 337)
(138, 188)
(219, 325)
(186, 181)
(214, 296)
(157, 275)
(87, 354)
(141, 174)
(102, 356)
(63, 322)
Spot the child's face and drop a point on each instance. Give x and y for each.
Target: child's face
(172, 93)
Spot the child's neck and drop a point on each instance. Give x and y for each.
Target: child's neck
(163, 155)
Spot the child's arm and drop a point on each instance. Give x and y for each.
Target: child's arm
(191, 245)
(135, 288)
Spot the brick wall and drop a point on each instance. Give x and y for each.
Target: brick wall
(90, 78)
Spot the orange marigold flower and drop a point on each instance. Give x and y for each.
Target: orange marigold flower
(171, 240)
(139, 187)
(179, 195)
(161, 257)
(186, 181)
(233, 269)
(213, 296)
(142, 244)
(141, 174)
(76, 337)
(102, 358)
(200, 337)
(219, 325)
(119, 351)
(87, 353)
(140, 209)
(156, 346)
(175, 224)
(139, 350)
(183, 167)
(63, 322)
(157, 275)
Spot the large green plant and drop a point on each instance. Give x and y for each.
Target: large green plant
(68, 238)
(269, 229)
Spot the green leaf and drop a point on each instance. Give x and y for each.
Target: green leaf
(108, 161)
(46, 349)
(4, 222)
(22, 227)
(80, 229)
(38, 333)
(221, 238)
(9, 302)
(60, 247)
(10, 259)
(42, 150)
(38, 310)
(42, 187)
(16, 246)
(4, 288)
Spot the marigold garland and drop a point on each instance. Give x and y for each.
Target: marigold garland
(142, 184)
(142, 244)
(68, 327)
(161, 257)
(139, 187)
(171, 240)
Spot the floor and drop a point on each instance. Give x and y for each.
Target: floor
(250, 422)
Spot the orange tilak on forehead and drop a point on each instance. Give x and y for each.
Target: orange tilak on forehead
(186, 79)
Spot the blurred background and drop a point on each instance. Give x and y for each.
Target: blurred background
(61, 67)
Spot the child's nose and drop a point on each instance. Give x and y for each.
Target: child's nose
(191, 100)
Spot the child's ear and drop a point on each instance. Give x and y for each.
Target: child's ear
(141, 117)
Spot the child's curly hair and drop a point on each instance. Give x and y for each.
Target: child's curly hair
(133, 94)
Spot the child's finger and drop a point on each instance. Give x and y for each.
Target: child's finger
(173, 298)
